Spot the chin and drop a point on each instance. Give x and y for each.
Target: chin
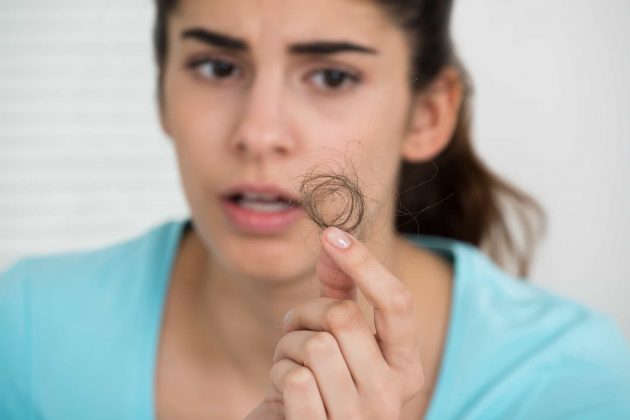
(279, 260)
(274, 276)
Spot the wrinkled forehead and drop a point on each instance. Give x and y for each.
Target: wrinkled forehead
(280, 22)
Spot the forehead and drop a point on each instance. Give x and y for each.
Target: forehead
(285, 21)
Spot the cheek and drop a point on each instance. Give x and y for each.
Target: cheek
(197, 117)
(195, 134)
(194, 123)
(388, 130)
(381, 145)
(365, 146)
(198, 125)
(377, 148)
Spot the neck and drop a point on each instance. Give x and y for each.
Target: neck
(245, 319)
(226, 328)
(241, 319)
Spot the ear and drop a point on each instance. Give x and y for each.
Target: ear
(433, 117)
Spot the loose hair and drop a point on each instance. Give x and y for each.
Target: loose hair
(455, 195)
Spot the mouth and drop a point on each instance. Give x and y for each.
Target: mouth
(261, 209)
(262, 202)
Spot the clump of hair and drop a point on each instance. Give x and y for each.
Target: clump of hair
(334, 198)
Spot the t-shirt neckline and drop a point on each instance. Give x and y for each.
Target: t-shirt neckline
(448, 248)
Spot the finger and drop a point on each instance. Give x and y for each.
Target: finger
(394, 313)
(333, 281)
(268, 411)
(344, 320)
(298, 387)
(319, 352)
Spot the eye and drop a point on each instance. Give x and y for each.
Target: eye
(214, 68)
(334, 79)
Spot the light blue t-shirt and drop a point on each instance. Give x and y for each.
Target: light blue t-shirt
(79, 336)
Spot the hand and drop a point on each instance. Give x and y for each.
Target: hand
(329, 365)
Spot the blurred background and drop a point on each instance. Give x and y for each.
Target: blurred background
(83, 162)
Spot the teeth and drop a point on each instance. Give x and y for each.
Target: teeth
(250, 196)
(264, 207)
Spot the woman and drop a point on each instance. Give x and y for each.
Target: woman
(247, 309)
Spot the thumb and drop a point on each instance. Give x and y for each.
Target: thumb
(334, 283)
(271, 407)
(267, 411)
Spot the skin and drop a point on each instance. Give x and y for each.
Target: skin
(224, 349)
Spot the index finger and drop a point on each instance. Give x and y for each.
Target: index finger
(394, 312)
(334, 283)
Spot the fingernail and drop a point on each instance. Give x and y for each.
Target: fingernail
(287, 317)
(338, 238)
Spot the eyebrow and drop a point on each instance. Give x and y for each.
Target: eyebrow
(302, 48)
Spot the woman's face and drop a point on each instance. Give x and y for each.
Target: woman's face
(257, 93)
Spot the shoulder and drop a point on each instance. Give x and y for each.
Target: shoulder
(61, 307)
(78, 279)
(72, 270)
(517, 350)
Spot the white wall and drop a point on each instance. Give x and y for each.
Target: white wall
(82, 158)
(552, 114)
(83, 162)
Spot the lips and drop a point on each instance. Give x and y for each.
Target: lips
(262, 192)
(262, 202)
(260, 208)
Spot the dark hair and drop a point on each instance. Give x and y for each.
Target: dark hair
(455, 195)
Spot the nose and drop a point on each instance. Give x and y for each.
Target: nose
(261, 132)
